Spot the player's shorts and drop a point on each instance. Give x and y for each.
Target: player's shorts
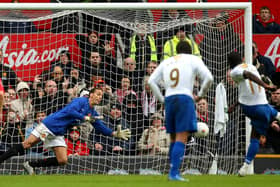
(49, 139)
(180, 114)
(260, 115)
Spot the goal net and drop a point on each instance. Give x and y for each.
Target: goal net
(57, 55)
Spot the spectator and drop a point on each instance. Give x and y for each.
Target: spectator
(125, 89)
(111, 145)
(170, 45)
(38, 149)
(91, 43)
(23, 106)
(151, 66)
(264, 22)
(11, 132)
(262, 63)
(136, 77)
(273, 133)
(8, 76)
(64, 62)
(52, 99)
(75, 146)
(133, 114)
(154, 140)
(148, 100)
(17, 26)
(142, 47)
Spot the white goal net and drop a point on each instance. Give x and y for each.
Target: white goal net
(50, 57)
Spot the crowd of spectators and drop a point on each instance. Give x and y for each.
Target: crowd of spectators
(128, 100)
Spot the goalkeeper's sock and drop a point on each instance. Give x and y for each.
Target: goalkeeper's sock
(52, 161)
(14, 151)
(170, 150)
(177, 157)
(252, 150)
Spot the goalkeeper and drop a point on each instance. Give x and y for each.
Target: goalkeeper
(52, 129)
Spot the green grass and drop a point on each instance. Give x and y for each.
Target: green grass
(136, 180)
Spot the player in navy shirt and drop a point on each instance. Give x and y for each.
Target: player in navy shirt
(52, 129)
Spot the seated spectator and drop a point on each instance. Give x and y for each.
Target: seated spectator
(264, 22)
(111, 145)
(38, 149)
(11, 132)
(52, 99)
(75, 146)
(154, 140)
(64, 62)
(133, 114)
(264, 65)
(17, 26)
(273, 133)
(148, 100)
(7, 74)
(23, 106)
(124, 90)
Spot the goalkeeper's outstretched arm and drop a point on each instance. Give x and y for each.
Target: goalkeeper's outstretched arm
(124, 134)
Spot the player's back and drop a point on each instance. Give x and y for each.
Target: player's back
(179, 73)
(250, 93)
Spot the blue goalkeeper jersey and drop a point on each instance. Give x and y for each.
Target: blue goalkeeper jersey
(73, 114)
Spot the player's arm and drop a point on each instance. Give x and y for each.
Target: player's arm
(206, 78)
(119, 133)
(254, 78)
(153, 83)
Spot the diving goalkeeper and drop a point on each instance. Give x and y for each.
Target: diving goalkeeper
(52, 129)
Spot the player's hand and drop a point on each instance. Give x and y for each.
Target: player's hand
(122, 134)
(271, 87)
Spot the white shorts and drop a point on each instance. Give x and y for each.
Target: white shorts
(49, 139)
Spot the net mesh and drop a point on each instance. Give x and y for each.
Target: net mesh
(61, 54)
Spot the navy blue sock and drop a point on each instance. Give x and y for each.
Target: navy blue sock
(177, 156)
(252, 150)
(170, 150)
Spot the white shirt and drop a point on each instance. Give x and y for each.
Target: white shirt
(250, 93)
(178, 74)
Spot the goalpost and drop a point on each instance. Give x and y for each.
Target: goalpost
(35, 37)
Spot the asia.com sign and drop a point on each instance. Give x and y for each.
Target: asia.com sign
(30, 54)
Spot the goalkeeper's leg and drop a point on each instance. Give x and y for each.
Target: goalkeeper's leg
(60, 159)
(18, 149)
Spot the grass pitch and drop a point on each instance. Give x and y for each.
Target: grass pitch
(137, 180)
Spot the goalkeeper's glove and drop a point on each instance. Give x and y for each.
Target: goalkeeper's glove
(122, 134)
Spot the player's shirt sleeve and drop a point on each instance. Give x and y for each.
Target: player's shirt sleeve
(154, 80)
(100, 127)
(237, 73)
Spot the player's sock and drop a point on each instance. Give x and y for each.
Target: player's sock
(170, 150)
(52, 161)
(14, 151)
(252, 150)
(177, 157)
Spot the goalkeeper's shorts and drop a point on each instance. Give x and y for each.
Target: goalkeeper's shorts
(49, 139)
